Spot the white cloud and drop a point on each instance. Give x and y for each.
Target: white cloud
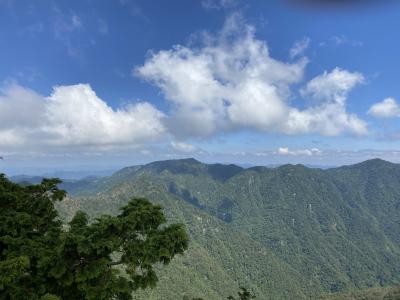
(329, 117)
(228, 83)
(73, 116)
(183, 147)
(299, 47)
(388, 108)
(232, 82)
(334, 85)
(300, 152)
(340, 40)
(217, 4)
(20, 108)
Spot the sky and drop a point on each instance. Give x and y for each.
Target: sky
(99, 85)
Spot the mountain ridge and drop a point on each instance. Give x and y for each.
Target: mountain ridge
(172, 164)
(321, 231)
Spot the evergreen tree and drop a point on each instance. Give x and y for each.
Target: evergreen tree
(108, 258)
(243, 294)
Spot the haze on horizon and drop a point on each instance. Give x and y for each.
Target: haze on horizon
(99, 86)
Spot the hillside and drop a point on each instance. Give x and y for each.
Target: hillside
(287, 233)
(386, 293)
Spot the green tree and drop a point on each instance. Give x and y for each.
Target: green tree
(243, 294)
(108, 258)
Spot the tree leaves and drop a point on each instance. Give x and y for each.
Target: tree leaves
(41, 259)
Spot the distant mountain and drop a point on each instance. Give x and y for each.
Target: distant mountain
(289, 232)
(64, 175)
(26, 179)
(78, 175)
(85, 185)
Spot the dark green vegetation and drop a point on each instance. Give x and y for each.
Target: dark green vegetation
(243, 294)
(285, 233)
(42, 259)
(387, 293)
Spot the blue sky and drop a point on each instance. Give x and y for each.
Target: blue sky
(105, 84)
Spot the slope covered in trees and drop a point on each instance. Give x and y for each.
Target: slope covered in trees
(383, 293)
(287, 233)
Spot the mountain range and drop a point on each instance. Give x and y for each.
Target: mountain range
(289, 232)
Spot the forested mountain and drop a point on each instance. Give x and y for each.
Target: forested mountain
(290, 232)
(383, 293)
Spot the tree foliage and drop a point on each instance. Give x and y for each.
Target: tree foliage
(108, 258)
(243, 294)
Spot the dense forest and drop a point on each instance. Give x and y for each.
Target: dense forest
(290, 232)
(383, 293)
(43, 259)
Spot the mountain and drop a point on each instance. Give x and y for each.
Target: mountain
(78, 175)
(26, 179)
(289, 232)
(73, 186)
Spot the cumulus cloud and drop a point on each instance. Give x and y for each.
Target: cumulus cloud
(304, 152)
(333, 86)
(231, 82)
(73, 115)
(227, 83)
(299, 47)
(329, 117)
(388, 108)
